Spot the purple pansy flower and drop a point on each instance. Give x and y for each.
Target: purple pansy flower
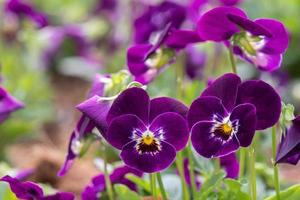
(155, 19)
(146, 61)
(228, 112)
(93, 191)
(21, 9)
(261, 42)
(148, 132)
(31, 191)
(85, 125)
(289, 147)
(8, 104)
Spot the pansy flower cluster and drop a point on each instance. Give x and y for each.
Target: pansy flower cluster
(149, 133)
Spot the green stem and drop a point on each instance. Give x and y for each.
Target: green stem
(106, 177)
(179, 163)
(192, 170)
(242, 161)
(161, 186)
(153, 186)
(276, 178)
(252, 171)
(232, 60)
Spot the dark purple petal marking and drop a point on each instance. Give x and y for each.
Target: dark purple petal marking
(148, 162)
(214, 24)
(166, 104)
(131, 101)
(206, 109)
(174, 129)
(123, 129)
(245, 115)
(265, 99)
(224, 88)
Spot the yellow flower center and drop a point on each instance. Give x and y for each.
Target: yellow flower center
(226, 129)
(148, 139)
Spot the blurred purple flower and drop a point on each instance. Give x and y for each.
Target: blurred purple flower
(187, 177)
(146, 61)
(260, 42)
(228, 112)
(85, 125)
(231, 165)
(195, 62)
(93, 191)
(67, 40)
(30, 191)
(8, 104)
(156, 18)
(289, 147)
(22, 9)
(148, 132)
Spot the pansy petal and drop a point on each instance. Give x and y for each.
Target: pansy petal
(214, 24)
(245, 115)
(231, 165)
(290, 142)
(224, 88)
(229, 146)
(147, 162)
(265, 99)
(122, 128)
(266, 62)
(174, 129)
(205, 109)
(249, 25)
(136, 56)
(96, 109)
(278, 43)
(203, 141)
(23, 190)
(166, 104)
(8, 104)
(179, 39)
(83, 128)
(131, 101)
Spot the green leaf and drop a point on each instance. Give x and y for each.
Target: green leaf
(210, 184)
(124, 193)
(291, 193)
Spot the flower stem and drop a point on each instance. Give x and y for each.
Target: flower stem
(161, 186)
(153, 186)
(242, 161)
(106, 177)
(276, 178)
(179, 163)
(232, 60)
(192, 170)
(252, 171)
